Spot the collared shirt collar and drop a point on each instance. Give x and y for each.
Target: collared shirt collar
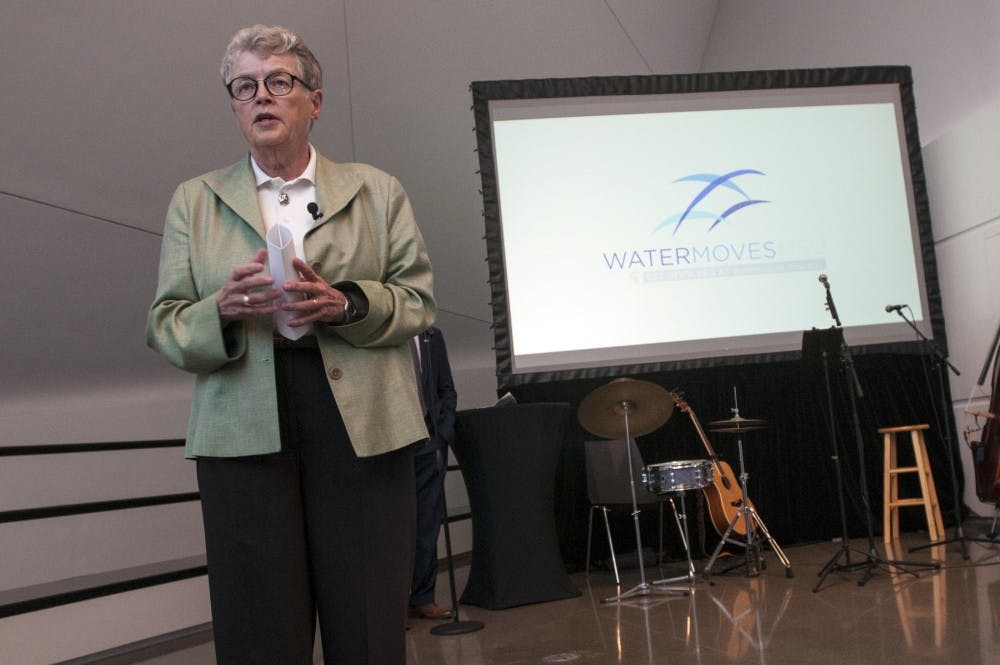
(308, 175)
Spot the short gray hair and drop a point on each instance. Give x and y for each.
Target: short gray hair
(266, 40)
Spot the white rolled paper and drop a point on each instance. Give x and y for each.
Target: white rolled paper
(280, 252)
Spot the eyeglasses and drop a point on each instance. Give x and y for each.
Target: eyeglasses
(279, 84)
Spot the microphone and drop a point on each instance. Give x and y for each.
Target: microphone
(427, 335)
(894, 308)
(314, 210)
(829, 299)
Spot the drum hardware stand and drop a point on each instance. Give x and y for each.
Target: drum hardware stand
(944, 426)
(643, 588)
(653, 406)
(682, 526)
(874, 559)
(753, 545)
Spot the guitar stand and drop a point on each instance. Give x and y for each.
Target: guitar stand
(754, 561)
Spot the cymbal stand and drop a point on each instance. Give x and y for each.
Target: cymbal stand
(753, 544)
(643, 588)
(874, 559)
(682, 527)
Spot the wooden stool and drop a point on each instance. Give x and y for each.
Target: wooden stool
(928, 498)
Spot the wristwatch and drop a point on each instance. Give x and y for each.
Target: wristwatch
(350, 311)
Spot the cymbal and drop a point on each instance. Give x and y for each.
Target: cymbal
(602, 412)
(736, 425)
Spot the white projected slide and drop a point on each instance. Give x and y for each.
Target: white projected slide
(666, 227)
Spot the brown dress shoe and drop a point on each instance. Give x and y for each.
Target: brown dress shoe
(430, 611)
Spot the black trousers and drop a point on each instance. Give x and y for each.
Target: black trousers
(312, 530)
(430, 511)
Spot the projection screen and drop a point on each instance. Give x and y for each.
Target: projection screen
(648, 226)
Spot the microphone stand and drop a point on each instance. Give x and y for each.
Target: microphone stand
(453, 627)
(874, 560)
(943, 423)
(834, 565)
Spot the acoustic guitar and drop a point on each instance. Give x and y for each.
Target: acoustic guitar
(724, 495)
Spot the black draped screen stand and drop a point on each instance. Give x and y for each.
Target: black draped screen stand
(789, 464)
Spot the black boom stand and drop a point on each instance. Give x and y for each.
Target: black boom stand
(943, 423)
(873, 560)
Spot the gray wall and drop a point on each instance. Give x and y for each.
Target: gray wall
(119, 101)
(109, 104)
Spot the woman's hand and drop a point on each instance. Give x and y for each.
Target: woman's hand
(248, 292)
(320, 301)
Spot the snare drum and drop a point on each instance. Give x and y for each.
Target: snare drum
(678, 476)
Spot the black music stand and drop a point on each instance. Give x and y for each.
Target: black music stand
(818, 346)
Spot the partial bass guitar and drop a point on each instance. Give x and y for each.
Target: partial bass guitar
(724, 495)
(986, 452)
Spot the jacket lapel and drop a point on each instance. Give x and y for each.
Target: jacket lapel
(236, 187)
(335, 187)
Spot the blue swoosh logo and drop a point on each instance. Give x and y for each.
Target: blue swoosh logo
(713, 182)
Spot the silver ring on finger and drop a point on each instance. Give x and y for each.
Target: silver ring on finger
(246, 300)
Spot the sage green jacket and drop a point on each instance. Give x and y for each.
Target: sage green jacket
(366, 236)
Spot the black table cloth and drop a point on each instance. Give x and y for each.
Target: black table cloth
(508, 457)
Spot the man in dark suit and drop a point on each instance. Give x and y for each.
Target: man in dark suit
(429, 459)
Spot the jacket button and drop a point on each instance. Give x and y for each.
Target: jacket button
(335, 373)
(316, 265)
